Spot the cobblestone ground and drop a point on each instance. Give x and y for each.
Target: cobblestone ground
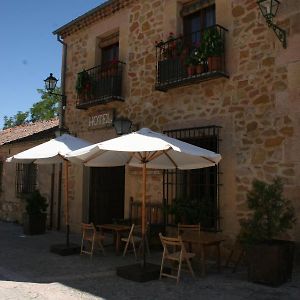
(29, 271)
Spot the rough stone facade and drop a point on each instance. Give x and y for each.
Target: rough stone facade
(257, 106)
(13, 141)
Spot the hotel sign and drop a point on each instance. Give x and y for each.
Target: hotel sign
(101, 120)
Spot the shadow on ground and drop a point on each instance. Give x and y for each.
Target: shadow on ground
(28, 270)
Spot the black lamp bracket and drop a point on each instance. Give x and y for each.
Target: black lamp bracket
(280, 33)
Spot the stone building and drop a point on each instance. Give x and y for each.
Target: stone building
(144, 60)
(18, 179)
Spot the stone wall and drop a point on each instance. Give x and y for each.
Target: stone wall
(12, 207)
(257, 106)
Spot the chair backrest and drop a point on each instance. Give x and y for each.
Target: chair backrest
(172, 244)
(88, 229)
(189, 230)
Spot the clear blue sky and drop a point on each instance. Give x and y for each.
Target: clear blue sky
(29, 51)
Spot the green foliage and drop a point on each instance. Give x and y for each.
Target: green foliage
(35, 203)
(45, 109)
(197, 56)
(83, 82)
(16, 120)
(188, 210)
(272, 213)
(212, 43)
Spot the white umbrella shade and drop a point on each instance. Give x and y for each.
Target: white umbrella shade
(159, 151)
(52, 152)
(147, 149)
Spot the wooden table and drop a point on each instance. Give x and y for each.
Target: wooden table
(204, 242)
(117, 230)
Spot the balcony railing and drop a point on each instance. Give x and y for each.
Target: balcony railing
(192, 58)
(100, 85)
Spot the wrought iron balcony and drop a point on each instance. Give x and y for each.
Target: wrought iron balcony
(100, 85)
(190, 59)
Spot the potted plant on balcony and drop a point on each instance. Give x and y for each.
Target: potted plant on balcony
(83, 84)
(212, 47)
(190, 63)
(34, 219)
(269, 260)
(199, 59)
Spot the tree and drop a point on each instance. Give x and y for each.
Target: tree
(16, 120)
(45, 109)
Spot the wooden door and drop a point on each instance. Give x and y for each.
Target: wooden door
(106, 194)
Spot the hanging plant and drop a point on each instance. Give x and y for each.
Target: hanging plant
(83, 82)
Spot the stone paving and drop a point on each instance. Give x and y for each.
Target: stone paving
(29, 271)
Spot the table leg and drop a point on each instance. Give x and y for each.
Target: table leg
(219, 257)
(118, 243)
(202, 253)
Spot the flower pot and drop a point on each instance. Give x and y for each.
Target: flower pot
(214, 63)
(200, 69)
(190, 71)
(34, 223)
(270, 263)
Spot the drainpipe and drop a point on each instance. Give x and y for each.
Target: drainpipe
(61, 125)
(62, 107)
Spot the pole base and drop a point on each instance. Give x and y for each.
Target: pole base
(64, 249)
(139, 273)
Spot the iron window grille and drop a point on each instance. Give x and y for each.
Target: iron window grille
(26, 178)
(200, 184)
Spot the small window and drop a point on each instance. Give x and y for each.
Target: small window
(25, 178)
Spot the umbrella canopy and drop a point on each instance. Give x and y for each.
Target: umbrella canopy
(147, 149)
(50, 152)
(157, 150)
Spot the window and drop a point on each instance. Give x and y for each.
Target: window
(194, 23)
(1, 174)
(197, 184)
(25, 178)
(110, 53)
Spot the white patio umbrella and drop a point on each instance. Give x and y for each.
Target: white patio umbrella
(145, 149)
(51, 152)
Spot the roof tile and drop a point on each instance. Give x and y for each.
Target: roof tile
(25, 130)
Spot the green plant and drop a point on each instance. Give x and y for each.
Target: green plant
(83, 82)
(188, 210)
(35, 203)
(272, 213)
(198, 56)
(212, 42)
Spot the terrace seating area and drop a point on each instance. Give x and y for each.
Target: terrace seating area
(28, 259)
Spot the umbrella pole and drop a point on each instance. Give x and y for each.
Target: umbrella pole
(144, 214)
(67, 202)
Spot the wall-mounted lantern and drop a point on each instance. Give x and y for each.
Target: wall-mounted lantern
(50, 85)
(122, 126)
(269, 10)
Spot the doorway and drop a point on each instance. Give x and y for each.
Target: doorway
(106, 194)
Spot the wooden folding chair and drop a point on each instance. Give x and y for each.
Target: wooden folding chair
(174, 251)
(92, 237)
(134, 237)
